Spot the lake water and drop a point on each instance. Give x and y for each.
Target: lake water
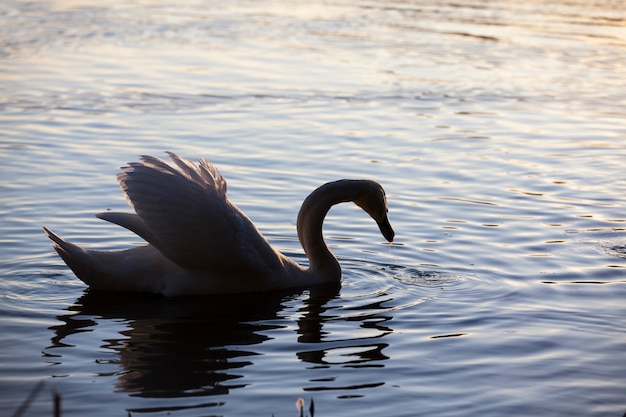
(498, 129)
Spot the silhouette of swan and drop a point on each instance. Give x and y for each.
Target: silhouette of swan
(199, 242)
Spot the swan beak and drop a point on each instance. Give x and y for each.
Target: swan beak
(386, 230)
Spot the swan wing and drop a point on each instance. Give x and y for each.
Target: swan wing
(185, 213)
(131, 221)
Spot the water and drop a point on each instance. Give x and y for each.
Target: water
(498, 130)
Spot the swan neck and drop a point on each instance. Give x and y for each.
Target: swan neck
(310, 220)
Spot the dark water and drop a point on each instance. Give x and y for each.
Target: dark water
(498, 130)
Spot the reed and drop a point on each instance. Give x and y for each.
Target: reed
(56, 400)
(300, 405)
(32, 396)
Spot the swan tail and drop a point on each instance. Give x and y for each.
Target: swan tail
(132, 269)
(82, 262)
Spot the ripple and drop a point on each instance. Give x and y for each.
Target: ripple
(618, 251)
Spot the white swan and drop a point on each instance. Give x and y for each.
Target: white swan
(201, 243)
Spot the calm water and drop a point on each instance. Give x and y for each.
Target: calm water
(497, 128)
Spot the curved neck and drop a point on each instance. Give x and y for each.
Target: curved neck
(310, 219)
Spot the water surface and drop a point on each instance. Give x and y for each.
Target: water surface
(497, 129)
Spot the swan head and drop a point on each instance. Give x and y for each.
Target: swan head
(374, 202)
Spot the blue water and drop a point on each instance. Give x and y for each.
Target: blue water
(498, 130)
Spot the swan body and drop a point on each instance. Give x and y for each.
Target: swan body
(199, 242)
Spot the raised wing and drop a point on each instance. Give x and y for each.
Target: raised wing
(186, 214)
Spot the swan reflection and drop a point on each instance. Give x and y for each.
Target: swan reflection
(199, 346)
